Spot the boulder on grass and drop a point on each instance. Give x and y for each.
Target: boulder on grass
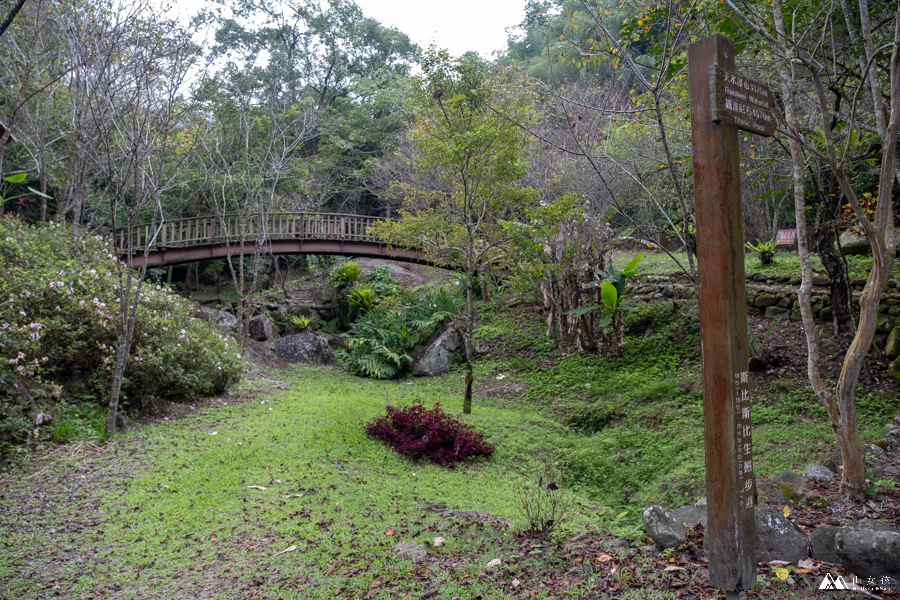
(777, 538)
(306, 347)
(821, 542)
(260, 329)
(818, 473)
(690, 516)
(787, 488)
(263, 355)
(662, 528)
(441, 355)
(225, 320)
(869, 549)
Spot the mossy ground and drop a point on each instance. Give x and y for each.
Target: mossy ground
(786, 263)
(171, 511)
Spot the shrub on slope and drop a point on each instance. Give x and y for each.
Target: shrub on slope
(59, 312)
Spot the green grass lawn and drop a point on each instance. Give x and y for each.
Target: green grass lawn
(786, 263)
(177, 509)
(181, 513)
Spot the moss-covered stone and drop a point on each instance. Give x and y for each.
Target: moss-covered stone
(892, 347)
(764, 300)
(894, 370)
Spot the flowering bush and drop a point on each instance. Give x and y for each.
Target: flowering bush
(416, 432)
(59, 313)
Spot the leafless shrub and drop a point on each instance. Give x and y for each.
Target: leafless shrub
(542, 502)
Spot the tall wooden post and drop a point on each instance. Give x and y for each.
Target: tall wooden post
(730, 537)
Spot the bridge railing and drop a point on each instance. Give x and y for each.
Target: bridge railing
(202, 231)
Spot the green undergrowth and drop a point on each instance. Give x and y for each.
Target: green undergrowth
(638, 418)
(194, 509)
(786, 263)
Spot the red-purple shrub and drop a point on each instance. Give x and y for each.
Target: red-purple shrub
(416, 432)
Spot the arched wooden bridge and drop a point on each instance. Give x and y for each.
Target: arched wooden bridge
(206, 238)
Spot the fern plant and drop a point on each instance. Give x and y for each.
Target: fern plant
(766, 250)
(383, 282)
(380, 339)
(301, 322)
(363, 298)
(378, 344)
(432, 311)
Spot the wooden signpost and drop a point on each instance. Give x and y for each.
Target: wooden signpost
(721, 102)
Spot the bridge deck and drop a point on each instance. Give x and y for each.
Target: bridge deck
(204, 238)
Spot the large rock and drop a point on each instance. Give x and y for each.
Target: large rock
(225, 320)
(764, 300)
(873, 454)
(260, 329)
(690, 516)
(787, 488)
(818, 473)
(441, 355)
(821, 542)
(894, 370)
(124, 424)
(263, 355)
(775, 312)
(892, 347)
(855, 244)
(663, 528)
(777, 538)
(306, 347)
(869, 549)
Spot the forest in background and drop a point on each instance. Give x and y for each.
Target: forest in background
(121, 117)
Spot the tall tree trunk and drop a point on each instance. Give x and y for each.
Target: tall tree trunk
(813, 364)
(467, 336)
(112, 409)
(829, 251)
(189, 280)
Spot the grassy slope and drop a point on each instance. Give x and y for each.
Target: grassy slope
(640, 416)
(173, 516)
(786, 263)
(188, 520)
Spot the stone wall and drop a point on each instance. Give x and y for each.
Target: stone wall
(775, 296)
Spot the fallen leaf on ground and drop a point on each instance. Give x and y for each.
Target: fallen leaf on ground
(438, 541)
(807, 563)
(604, 558)
(257, 487)
(782, 573)
(288, 549)
(493, 563)
(389, 532)
(787, 512)
(674, 568)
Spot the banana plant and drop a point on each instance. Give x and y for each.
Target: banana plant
(18, 178)
(613, 293)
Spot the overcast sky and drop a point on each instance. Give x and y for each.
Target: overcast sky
(457, 25)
